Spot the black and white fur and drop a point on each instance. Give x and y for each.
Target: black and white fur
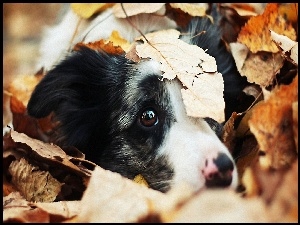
(125, 119)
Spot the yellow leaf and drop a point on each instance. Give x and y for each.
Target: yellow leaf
(86, 10)
(117, 40)
(140, 180)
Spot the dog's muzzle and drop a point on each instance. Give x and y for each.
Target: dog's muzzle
(218, 171)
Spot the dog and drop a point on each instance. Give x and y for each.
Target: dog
(126, 119)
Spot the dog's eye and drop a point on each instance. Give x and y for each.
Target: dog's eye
(149, 117)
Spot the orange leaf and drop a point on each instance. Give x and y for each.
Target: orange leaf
(256, 33)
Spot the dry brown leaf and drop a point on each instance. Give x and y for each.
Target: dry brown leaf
(229, 133)
(54, 153)
(117, 40)
(132, 9)
(289, 47)
(289, 11)
(36, 128)
(295, 122)
(87, 10)
(193, 9)
(33, 183)
(243, 9)
(193, 67)
(256, 35)
(113, 198)
(215, 206)
(140, 180)
(65, 209)
(17, 210)
(101, 45)
(260, 68)
(23, 85)
(272, 124)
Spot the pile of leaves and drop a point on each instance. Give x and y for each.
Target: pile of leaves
(47, 183)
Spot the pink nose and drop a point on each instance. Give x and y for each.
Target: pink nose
(218, 171)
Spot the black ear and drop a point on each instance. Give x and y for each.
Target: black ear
(77, 79)
(78, 91)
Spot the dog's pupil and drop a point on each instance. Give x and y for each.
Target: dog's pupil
(149, 117)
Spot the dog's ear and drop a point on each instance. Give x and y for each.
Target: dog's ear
(78, 90)
(79, 79)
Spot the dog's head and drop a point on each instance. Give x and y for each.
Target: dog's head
(126, 119)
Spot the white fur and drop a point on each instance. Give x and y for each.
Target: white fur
(189, 143)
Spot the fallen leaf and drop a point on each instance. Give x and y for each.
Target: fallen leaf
(288, 46)
(140, 180)
(193, 67)
(113, 198)
(117, 40)
(132, 9)
(87, 10)
(260, 68)
(255, 34)
(193, 9)
(101, 45)
(23, 85)
(40, 129)
(33, 183)
(272, 124)
(53, 153)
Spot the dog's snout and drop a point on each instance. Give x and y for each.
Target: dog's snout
(218, 171)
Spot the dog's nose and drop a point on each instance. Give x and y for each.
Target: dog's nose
(218, 171)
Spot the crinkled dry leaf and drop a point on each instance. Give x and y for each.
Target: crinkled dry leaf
(36, 128)
(204, 97)
(289, 11)
(113, 198)
(54, 153)
(140, 180)
(295, 122)
(243, 9)
(229, 206)
(66, 209)
(193, 67)
(288, 46)
(87, 10)
(229, 133)
(260, 68)
(256, 35)
(132, 9)
(193, 9)
(117, 40)
(101, 45)
(33, 183)
(23, 85)
(272, 124)
(17, 210)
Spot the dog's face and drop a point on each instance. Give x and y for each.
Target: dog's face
(126, 119)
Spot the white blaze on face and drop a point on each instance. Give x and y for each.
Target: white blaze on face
(189, 142)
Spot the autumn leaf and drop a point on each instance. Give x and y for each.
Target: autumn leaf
(256, 35)
(34, 184)
(132, 9)
(192, 66)
(87, 10)
(288, 47)
(260, 68)
(100, 45)
(272, 124)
